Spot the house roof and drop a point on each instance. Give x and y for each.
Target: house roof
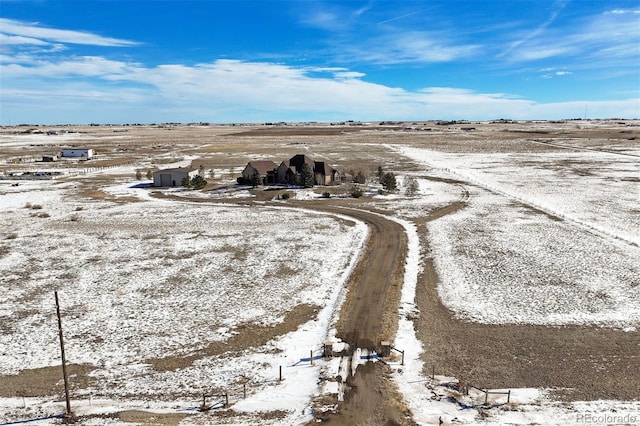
(300, 159)
(176, 170)
(263, 166)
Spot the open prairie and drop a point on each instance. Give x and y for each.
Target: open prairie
(515, 261)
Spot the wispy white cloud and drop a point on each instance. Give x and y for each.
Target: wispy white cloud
(623, 12)
(403, 16)
(232, 90)
(536, 32)
(608, 39)
(353, 37)
(84, 66)
(410, 47)
(552, 72)
(6, 39)
(32, 33)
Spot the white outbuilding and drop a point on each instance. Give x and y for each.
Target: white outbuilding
(173, 177)
(81, 153)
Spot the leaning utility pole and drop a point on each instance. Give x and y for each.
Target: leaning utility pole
(64, 360)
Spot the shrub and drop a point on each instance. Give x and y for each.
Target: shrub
(326, 195)
(411, 186)
(356, 192)
(285, 196)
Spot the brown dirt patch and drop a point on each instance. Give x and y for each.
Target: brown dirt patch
(589, 363)
(146, 418)
(298, 131)
(43, 381)
(249, 335)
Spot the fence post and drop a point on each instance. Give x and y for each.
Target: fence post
(402, 363)
(226, 399)
(486, 396)
(244, 390)
(509, 396)
(280, 377)
(311, 356)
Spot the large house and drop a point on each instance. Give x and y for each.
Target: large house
(260, 172)
(290, 172)
(173, 177)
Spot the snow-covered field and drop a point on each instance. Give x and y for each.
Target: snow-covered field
(158, 278)
(540, 242)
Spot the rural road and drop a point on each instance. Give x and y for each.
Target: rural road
(369, 315)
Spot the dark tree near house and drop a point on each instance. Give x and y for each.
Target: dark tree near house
(186, 182)
(307, 176)
(254, 179)
(389, 182)
(359, 178)
(380, 174)
(198, 182)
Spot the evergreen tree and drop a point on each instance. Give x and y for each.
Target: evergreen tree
(198, 182)
(307, 176)
(359, 177)
(389, 182)
(255, 180)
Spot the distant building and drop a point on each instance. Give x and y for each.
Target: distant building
(173, 177)
(82, 153)
(49, 158)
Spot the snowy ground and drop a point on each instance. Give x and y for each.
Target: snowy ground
(508, 258)
(153, 278)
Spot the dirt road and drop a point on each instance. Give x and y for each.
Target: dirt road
(370, 315)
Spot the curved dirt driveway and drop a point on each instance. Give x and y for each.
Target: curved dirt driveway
(369, 315)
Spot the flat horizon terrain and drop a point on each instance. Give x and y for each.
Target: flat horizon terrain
(519, 250)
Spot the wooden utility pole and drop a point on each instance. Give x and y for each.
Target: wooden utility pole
(64, 360)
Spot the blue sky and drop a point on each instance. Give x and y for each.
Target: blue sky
(257, 61)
